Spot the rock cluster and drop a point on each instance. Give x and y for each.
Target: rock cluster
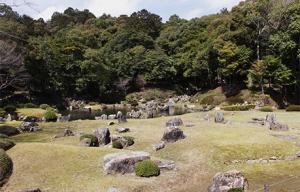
(29, 127)
(224, 181)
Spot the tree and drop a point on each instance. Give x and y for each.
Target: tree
(12, 71)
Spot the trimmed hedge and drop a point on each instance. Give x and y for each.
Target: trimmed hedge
(50, 116)
(238, 107)
(10, 108)
(147, 168)
(44, 106)
(6, 167)
(266, 109)
(293, 108)
(30, 105)
(6, 144)
(94, 140)
(8, 130)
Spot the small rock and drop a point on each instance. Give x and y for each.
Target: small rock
(174, 122)
(123, 162)
(219, 117)
(159, 146)
(113, 116)
(112, 189)
(122, 130)
(167, 165)
(298, 154)
(86, 142)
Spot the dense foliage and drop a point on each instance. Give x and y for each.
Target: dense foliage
(77, 55)
(147, 168)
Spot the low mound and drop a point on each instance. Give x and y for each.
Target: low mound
(6, 167)
(6, 144)
(8, 130)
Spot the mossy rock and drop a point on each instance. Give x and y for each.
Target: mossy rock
(94, 140)
(6, 144)
(117, 145)
(147, 168)
(8, 130)
(6, 167)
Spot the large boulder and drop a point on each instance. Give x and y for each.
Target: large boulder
(6, 167)
(224, 181)
(8, 130)
(173, 134)
(123, 162)
(103, 135)
(174, 122)
(29, 127)
(279, 127)
(219, 117)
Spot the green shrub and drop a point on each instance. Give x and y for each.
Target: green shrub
(293, 108)
(44, 106)
(266, 109)
(10, 108)
(236, 190)
(208, 100)
(2, 112)
(30, 105)
(6, 167)
(117, 144)
(129, 139)
(93, 103)
(50, 116)
(94, 140)
(238, 107)
(8, 130)
(3, 136)
(6, 144)
(179, 109)
(147, 168)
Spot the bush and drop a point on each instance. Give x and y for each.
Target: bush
(30, 105)
(50, 116)
(238, 107)
(117, 145)
(236, 190)
(179, 109)
(6, 167)
(8, 130)
(10, 108)
(129, 139)
(44, 106)
(6, 144)
(293, 108)
(266, 109)
(147, 168)
(2, 112)
(3, 136)
(94, 140)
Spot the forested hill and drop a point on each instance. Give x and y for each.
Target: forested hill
(256, 45)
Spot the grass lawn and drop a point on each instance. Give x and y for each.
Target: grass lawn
(62, 165)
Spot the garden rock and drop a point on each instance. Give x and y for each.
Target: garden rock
(29, 127)
(224, 181)
(219, 117)
(174, 122)
(112, 189)
(173, 134)
(31, 190)
(279, 127)
(271, 118)
(64, 118)
(166, 165)
(123, 162)
(159, 146)
(113, 116)
(103, 135)
(122, 130)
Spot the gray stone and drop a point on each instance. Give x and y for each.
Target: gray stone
(103, 135)
(31, 190)
(64, 118)
(224, 181)
(122, 130)
(104, 117)
(173, 134)
(271, 118)
(29, 127)
(219, 117)
(174, 122)
(119, 114)
(298, 154)
(206, 117)
(167, 165)
(278, 127)
(112, 189)
(159, 146)
(8, 118)
(122, 140)
(113, 116)
(123, 162)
